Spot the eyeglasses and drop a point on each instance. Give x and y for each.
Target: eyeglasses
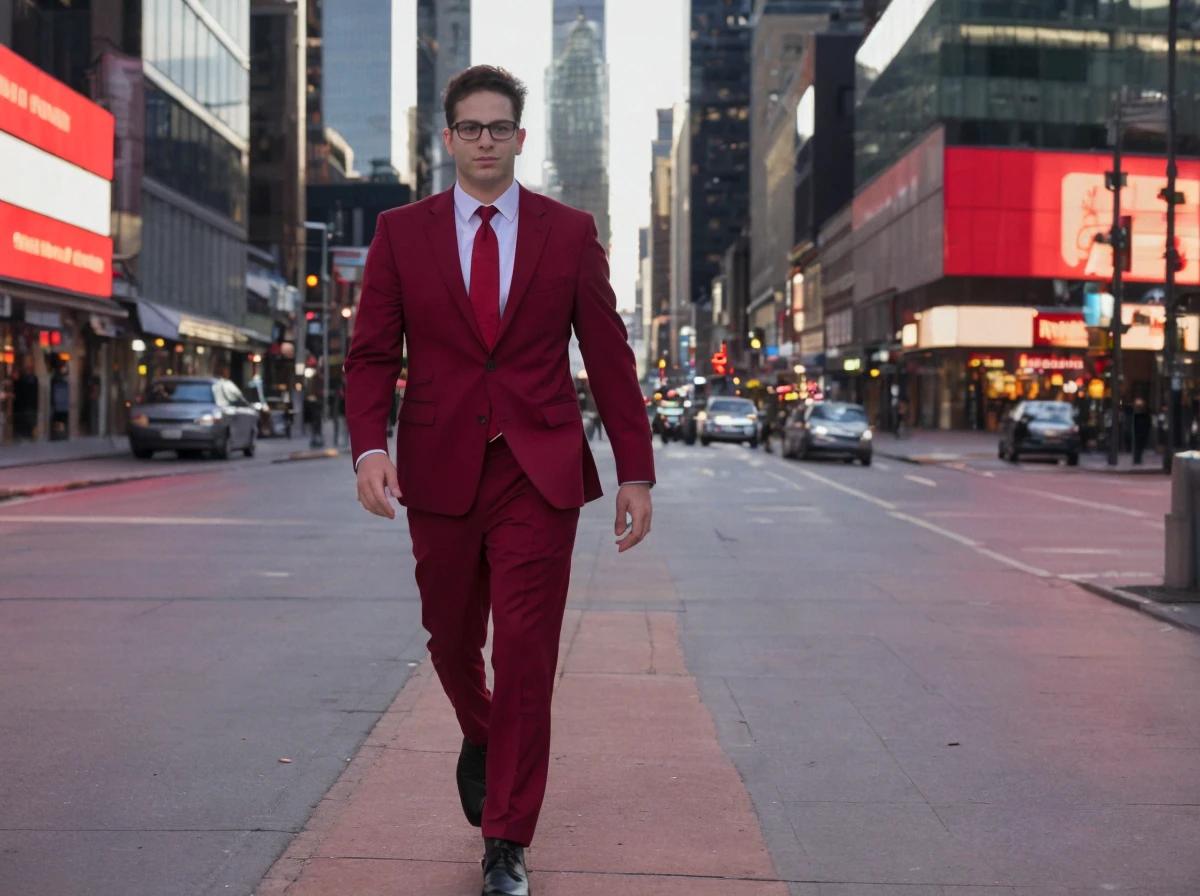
(473, 130)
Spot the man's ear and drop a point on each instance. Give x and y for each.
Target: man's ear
(520, 140)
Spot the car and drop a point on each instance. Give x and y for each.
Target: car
(834, 428)
(728, 419)
(668, 419)
(1045, 428)
(189, 414)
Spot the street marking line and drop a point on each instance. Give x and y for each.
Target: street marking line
(1109, 574)
(933, 527)
(780, 508)
(1016, 564)
(148, 520)
(1081, 502)
(920, 480)
(862, 496)
(879, 465)
(1072, 550)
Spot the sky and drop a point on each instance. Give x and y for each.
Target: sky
(647, 45)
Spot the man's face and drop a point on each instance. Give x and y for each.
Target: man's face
(486, 161)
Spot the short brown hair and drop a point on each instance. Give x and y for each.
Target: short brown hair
(478, 78)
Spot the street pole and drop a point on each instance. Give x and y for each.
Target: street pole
(1117, 180)
(317, 440)
(1171, 331)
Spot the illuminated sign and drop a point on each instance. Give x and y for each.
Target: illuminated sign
(1025, 213)
(56, 168)
(1049, 362)
(1061, 330)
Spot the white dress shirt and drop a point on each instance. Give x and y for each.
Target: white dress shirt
(467, 224)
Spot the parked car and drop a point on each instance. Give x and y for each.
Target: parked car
(727, 419)
(834, 428)
(1046, 428)
(190, 414)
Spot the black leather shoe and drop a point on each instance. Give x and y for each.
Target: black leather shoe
(472, 781)
(504, 871)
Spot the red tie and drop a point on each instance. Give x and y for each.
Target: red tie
(485, 276)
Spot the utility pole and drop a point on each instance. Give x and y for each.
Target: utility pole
(1171, 331)
(1115, 181)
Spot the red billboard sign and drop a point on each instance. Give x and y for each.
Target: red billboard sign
(49, 115)
(42, 250)
(1026, 213)
(1060, 330)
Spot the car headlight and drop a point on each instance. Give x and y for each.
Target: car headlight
(208, 419)
(140, 420)
(866, 436)
(820, 430)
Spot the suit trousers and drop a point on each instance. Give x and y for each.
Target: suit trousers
(510, 554)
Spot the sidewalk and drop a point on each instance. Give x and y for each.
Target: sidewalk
(925, 446)
(45, 468)
(641, 799)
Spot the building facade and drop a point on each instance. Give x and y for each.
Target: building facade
(577, 87)
(444, 49)
(719, 133)
(657, 305)
(369, 80)
(566, 13)
(982, 142)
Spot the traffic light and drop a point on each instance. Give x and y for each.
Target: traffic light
(312, 281)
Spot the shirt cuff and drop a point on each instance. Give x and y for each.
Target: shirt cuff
(636, 482)
(358, 460)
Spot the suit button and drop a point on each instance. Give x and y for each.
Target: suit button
(482, 420)
(491, 364)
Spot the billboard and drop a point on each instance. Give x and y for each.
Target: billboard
(1027, 213)
(56, 169)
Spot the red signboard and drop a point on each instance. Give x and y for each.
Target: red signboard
(1025, 213)
(38, 249)
(1060, 329)
(48, 114)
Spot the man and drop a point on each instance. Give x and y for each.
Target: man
(484, 283)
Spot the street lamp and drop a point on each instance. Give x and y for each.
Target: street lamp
(318, 433)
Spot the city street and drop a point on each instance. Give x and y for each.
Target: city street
(897, 672)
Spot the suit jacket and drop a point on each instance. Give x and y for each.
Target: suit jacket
(413, 292)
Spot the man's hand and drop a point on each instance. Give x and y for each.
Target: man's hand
(633, 515)
(375, 474)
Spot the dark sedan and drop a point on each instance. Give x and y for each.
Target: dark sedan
(831, 428)
(1045, 428)
(192, 414)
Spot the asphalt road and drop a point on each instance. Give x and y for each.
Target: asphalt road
(913, 693)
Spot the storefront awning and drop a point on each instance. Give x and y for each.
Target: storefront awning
(180, 326)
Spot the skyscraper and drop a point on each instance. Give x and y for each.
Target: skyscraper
(577, 86)
(370, 79)
(719, 104)
(444, 49)
(567, 12)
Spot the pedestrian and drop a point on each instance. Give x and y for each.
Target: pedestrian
(1141, 428)
(25, 401)
(484, 283)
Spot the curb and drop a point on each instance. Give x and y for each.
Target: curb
(310, 454)
(8, 494)
(1163, 612)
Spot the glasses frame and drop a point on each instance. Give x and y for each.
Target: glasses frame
(516, 126)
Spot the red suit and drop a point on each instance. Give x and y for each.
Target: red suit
(493, 523)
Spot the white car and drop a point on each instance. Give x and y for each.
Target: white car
(727, 419)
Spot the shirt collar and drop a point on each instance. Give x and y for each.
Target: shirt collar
(465, 205)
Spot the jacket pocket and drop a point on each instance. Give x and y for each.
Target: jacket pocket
(563, 412)
(420, 413)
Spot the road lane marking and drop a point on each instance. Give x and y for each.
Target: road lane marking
(862, 496)
(1110, 574)
(933, 527)
(1073, 550)
(880, 465)
(1081, 502)
(69, 519)
(920, 480)
(780, 508)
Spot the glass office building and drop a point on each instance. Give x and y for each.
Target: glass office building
(1029, 73)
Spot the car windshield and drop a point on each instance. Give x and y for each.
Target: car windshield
(732, 406)
(1057, 411)
(839, 413)
(175, 392)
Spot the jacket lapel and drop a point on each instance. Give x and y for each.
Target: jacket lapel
(443, 237)
(532, 230)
